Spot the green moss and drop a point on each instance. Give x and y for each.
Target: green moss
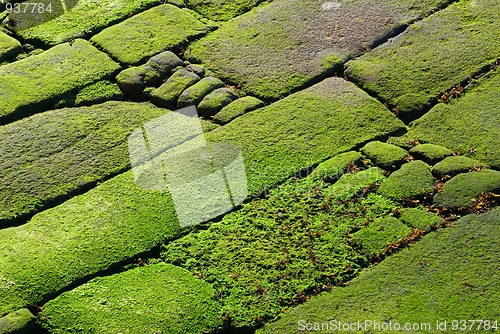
(332, 169)
(352, 184)
(36, 82)
(85, 18)
(221, 10)
(270, 58)
(450, 274)
(216, 100)
(167, 94)
(419, 218)
(374, 238)
(464, 189)
(468, 125)
(455, 165)
(384, 155)
(18, 322)
(431, 57)
(430, 153)
(413, 180)
(158, 298)
(98, 92)
(132, 81)
(237, 108)
(158, 29)
(87, 143)
(194, 94)
(9, 47)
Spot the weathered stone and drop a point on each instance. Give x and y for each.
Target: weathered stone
(455, 165)
(430, 153)
(159, 67)
(9, 47)
(199, 70)
(194, 94)
(167, 94)
(216, 100)
(98, 92)
(18, 322)
(237, 108)
(384, 155)
(414, 179)
(131, 81)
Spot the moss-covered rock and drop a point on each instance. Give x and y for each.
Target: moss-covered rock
(332, 169)
(160, 66)
(197, 69)
(216, 100)
(374, 238)
(386, 156)
(430, 153)
(37, 82)
(221, 10)
(419, 218)
(456, 165)
(131, 81)
(413, 180)
(167, 94)
(98, 92)
(464, 190)
(85, 18)
(432, 56)
(158, 29)
(352, 184)
(237, 108)
(194, 94)
(9, 47)
(450, 274)
(468, 125)
(270, 58)
(158, 298)
(18, 322)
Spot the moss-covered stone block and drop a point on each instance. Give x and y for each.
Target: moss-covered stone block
(352, 184)
(221, 10)
(386, 156)
(9, 47)
(237, 108)
(270, 58)
(216, 100)
(419, 218)
(194, 94)
(84, 19)
(131, 81)
(464, 190)
(98, 92)
(456, 165)
(158, 29)
(158, 298)
(18, 322)
(468, 125)
(413, 180)
(167, 94)
(449, 274)
(37, 82)
(160, 66)
(374, 238)
(432, 56)
(430, 153)
(333, 168)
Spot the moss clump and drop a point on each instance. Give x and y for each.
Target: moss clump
(158, 29)
(384, 155)
(455, 165)
(468, 125)
(216, 100)
(419, 218)
(194, 94)
(237, 108)
(449, 274)
(37, 82)
(221, 10)
(464, 190)
(9, 47)
(413, 180)
(18, 322)
(431, 57)
(332, 169)
(167, 94)
(158, 298)
(374, 238)
(430, 153)
(98, 92)
(352, 184)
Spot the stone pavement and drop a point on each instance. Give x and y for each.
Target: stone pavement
(368, 131)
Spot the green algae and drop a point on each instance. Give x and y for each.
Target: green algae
(386, 156)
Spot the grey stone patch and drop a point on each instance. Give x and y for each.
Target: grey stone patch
(167, 94)
(216, 100)
(197, 69)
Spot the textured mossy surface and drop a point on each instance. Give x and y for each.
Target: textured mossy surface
(81, 237)
(9, 47)
(414, 179)
(273, 252)
(469, 125)
(430, 153)
(98, 92)
(221, 10)
(449, 274)
(18, 322)
(86, 18)
(304, 129)
(216, 100)
(158, 29)
(386, 156)
(432, 56)
(37, 82)
(464, 190)
(419, 218)
(269, 57)
(352, 184)
(332, 169)
(455, 165)
(158, 298)
(167, 94)
(237, 108)
(60, 151)
(194, 94)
